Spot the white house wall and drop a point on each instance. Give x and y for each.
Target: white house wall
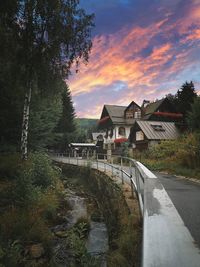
(116, 134)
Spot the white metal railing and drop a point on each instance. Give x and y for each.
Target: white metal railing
(166, 240)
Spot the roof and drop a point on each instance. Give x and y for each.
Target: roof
(152, 107)
(169, 130)
(82, 144)
(116, 114)
(132, 103)
(95, 135)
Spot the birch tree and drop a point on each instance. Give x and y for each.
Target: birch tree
(53, 34)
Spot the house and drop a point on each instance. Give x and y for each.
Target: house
(117, 121)
(160, 110)
(144, 134)
(121, 123)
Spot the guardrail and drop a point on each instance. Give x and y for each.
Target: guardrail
(166, 240)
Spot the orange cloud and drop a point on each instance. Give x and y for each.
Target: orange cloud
(131, 57)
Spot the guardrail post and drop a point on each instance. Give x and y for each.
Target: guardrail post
(132, 190)
(130, 166)
(122, 171)
(122, 176)
(77, 160)
(97, 165)
(104, 166)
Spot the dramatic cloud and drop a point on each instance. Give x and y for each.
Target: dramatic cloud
(140, 60)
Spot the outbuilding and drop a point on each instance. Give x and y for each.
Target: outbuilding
(145, 134)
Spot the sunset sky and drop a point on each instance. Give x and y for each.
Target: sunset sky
(142, 49)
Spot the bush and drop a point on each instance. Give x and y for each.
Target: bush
(10, 165)
(43, 174)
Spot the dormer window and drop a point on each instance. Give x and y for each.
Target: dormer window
(122, 131)
(158, 127)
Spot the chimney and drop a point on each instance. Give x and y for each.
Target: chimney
(145, 103)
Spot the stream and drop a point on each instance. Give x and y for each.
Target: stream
(97, 241)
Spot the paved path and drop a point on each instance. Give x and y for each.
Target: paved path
(185, 196)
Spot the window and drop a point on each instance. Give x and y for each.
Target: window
(137, 114)
(122, 131)
(139, 136)
(158, 127)
(129, 114)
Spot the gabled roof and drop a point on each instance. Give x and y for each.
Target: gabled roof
(169, 130)
(152, 107)
(132, 103)
(116, 113)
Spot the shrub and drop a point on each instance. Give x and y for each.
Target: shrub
(43, 174)
(9, 165)
(23, 224)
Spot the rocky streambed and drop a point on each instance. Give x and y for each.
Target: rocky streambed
(82, 238)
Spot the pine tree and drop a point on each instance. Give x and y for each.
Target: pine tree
(66, 123)
(185, 97)
(193, 117)
(66, 126)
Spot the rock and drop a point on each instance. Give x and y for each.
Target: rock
(61, 234)
(36, 251)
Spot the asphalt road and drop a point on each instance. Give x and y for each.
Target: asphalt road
(185, 196)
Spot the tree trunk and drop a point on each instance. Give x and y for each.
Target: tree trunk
(24, 136)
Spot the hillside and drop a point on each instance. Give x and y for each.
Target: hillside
(87, 123)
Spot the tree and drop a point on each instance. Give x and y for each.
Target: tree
(66, 122)
(43, 121)
(50, 36)
(66, 126)
(185, 97)
(193, 117)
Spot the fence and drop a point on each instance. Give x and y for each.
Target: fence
(166, 240)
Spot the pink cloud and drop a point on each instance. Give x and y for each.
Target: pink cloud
(119, 57)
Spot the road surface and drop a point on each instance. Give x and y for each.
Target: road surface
(185, 196)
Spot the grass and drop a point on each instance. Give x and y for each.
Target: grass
(180, 156)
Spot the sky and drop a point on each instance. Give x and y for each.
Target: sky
(142, 49)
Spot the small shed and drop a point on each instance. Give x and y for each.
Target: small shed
(145, 134)
(82, 149)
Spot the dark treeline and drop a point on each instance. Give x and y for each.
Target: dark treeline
(39, 42)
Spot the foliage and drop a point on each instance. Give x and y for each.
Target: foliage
(10, 164)
(39, 42)
(193, 117)
(185, 97)
(123, 229)
(43, 120)
(125, 149)
(42, 172)
(180, 156)
(66, 122)
(32, 200)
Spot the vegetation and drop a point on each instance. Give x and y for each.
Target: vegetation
(184, 98)
(193, 118)
(123, 228)
(29, 197)
(39, 42)
(181, 156)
